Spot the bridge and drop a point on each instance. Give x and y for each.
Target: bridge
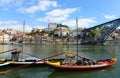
(105, 30)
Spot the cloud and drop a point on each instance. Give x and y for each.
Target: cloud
(82, 23)
(8, 5)
(61, 12)
(8, 22)
(57, 15)
(11, 3)
(42, 5)
(11, 24)
(28, 6)
(109, 17)
(5, 2)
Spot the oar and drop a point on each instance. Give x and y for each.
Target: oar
(17, 68)
(8, 51)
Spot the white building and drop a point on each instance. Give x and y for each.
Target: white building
(74, 33)
(51, 26)
(10, 31)
(4, 38)
(62, 31)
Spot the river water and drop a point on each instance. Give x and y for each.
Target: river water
(94, 52)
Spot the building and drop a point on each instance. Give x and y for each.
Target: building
(5, 38)
(80, 33)
(10, 31)
(61, 31)
(51, 27)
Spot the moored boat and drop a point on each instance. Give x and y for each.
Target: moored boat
(16, 60)
(34, 62)
(81, 66)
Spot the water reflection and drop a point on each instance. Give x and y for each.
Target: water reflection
(48, 72)
(98, 73)
(29, 72)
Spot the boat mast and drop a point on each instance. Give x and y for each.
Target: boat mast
(23, 39)
(77, 36)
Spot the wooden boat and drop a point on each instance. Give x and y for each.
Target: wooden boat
(30, 61)
(15, 54)
(76, 66)
(22, 62)
(34, 62)
(26, 61)
(17, 61)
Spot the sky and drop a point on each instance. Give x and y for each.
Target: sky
(39, 13)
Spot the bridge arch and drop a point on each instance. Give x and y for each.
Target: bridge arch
(105, 30)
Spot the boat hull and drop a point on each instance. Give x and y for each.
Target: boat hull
(65, 67)
(34, 62)
(100, 64)
(21, 63)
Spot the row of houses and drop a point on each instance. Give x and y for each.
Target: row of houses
(5, 36)
(9, 34)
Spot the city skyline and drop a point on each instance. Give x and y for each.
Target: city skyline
(39, 13)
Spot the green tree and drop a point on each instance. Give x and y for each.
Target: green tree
(51, 33)
(95, 33)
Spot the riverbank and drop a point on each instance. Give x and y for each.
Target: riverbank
(108, 42)
(112, 42)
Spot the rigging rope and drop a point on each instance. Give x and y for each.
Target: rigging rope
(30, 55)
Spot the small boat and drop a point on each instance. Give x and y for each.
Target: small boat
(17, 61)
(85, 65)
(21, 62)
(34, 62)
(15, 54)
(30, 61)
